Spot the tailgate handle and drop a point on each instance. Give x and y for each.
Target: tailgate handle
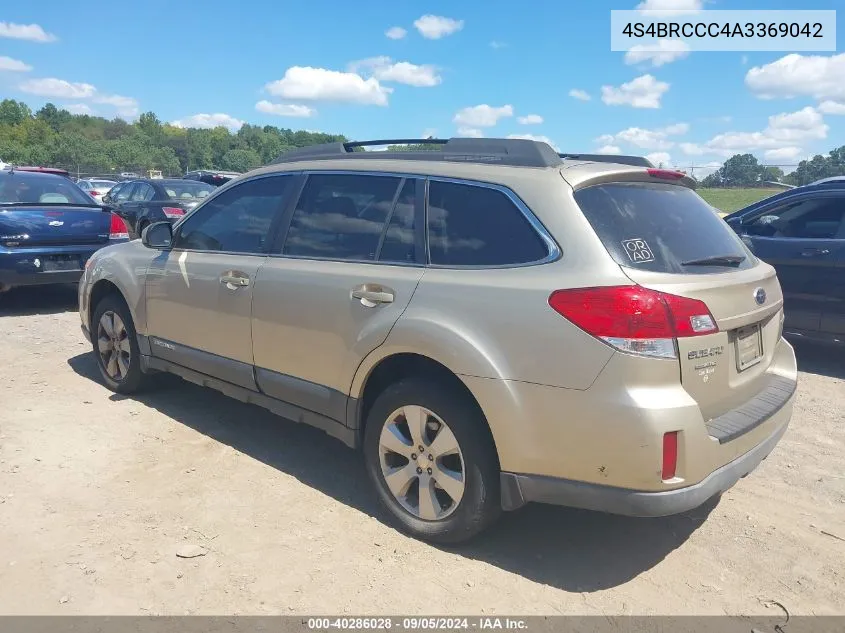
(814, 252)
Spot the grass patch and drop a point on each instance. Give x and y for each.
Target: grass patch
(730, 200)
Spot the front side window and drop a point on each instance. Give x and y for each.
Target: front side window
(470, 225)
(236, 221)
(813, 218)
(341, 216)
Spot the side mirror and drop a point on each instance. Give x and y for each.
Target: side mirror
(158, 236)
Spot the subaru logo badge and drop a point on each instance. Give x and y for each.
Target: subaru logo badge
(760, 296)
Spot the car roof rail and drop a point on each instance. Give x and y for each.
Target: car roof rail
(495, 151)
(620, 159)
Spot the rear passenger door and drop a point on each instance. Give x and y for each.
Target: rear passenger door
(339, 277)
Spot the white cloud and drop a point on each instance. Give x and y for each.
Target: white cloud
(320, 84)
(659, 158)
(643, 92)
(579, 94)
(433, 27)
(657, 139)
(799, 75)
(787, 129)
(30, 32)
(384, 69)
(396, 32)
(78, 108)
(13, 65)
(53, 88)
(664, 51)
(692, 149)
(496, 44)
(536, 137)
(609, 149)
(470, 132)
(530, 119)
(482, 115)
(783, 153)
(209, 121)
(832, 107)
(58, 88)
(285, 109)
(671, 7)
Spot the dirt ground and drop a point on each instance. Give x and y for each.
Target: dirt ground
(99, 492)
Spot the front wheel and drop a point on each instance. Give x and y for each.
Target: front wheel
(116, 346)
(430, 456)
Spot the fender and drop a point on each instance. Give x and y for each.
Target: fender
(127, 272)
(453, 346)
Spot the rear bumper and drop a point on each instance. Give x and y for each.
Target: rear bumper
(517, 490)
(25, 267)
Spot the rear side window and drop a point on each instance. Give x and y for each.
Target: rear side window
(661, 228)
(471, 225)
(341, 216)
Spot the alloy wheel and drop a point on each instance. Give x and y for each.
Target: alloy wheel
(113, 345)
(422, 463)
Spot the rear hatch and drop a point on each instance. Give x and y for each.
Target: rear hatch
(666, 238)
(42, 225)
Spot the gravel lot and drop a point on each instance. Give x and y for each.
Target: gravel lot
(98, 494)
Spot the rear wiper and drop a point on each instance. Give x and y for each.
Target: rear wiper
(716, 260)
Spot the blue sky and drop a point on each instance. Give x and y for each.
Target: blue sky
(468, 68)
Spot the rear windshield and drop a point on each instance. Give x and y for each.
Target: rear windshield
(27, 188)
(186, 189)
(661, 228)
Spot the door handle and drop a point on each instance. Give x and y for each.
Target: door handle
(814, 252)
(370, 295)
(234, 280)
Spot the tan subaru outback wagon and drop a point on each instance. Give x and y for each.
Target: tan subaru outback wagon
(492, 323)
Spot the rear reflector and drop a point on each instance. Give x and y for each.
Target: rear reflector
(173, 212)
(666, 174)
(670, 455)
(634, 319)
(117, 229)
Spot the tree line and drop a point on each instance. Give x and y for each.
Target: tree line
(744, 170)
(95, 145)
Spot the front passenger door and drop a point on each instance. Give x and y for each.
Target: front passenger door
(199, 294)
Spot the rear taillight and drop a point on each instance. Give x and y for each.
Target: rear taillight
(670, 456)
(94, 193)
(666, 174)
(634, 319)
(173, 212)
(117, 229)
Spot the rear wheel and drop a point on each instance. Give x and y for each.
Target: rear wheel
(433, 464)
(116, 346)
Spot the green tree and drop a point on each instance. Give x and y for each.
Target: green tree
(240, 160)
(13, 112)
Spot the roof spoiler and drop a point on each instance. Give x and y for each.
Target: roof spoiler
(619, 159)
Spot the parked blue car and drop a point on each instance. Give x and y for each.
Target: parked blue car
(49, 228)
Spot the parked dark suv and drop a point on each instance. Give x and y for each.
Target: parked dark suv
(801, 232)
(215, 178)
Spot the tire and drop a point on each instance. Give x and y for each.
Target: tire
(129, 378)
(479, 502)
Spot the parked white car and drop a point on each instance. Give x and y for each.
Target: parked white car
(96, 188)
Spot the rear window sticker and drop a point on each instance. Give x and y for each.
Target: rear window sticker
(638, 250)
